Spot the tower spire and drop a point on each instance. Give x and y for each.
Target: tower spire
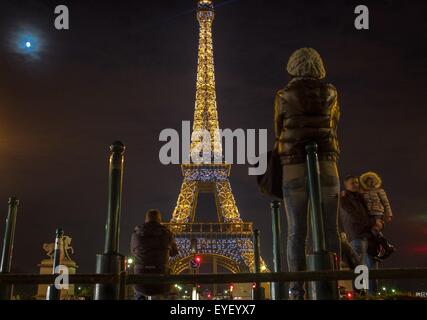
(205, 114)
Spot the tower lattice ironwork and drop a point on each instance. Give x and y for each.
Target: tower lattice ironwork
(228, 240)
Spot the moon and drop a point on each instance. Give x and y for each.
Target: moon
(27, 43)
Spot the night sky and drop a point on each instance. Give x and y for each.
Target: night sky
(127, 69)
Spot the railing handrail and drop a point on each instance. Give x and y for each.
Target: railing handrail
(414, 273)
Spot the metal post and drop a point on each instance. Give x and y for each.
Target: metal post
(194, 291)
(256, 292)
(52, 292)
(6, 257)
(122, 286)
(278, 288)
(111, 261)
(214, 271)
(320, 259)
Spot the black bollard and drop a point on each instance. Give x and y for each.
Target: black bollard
(52, 292)
(6, 257)
(320, 259)
(278, 288)
(257, 290)
(111, 261)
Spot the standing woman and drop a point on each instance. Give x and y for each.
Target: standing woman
(307, 110)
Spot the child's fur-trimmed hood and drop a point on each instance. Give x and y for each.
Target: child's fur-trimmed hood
(374, 176)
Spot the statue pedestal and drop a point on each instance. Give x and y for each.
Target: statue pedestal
(46, 267)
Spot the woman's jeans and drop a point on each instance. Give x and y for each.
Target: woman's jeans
(295, 193)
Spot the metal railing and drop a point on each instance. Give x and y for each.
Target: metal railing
(413, 273)
(120, 281)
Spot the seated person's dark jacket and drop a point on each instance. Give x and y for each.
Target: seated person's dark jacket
(152, 244)
(354, 216)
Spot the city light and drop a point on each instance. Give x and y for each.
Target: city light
(130, 261)
(194, 294)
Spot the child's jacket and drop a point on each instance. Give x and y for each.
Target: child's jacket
(376, 199)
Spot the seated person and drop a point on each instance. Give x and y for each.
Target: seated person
(152, 244)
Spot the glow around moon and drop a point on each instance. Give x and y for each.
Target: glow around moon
(27, 43)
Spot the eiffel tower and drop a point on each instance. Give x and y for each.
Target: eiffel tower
(229, 241)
